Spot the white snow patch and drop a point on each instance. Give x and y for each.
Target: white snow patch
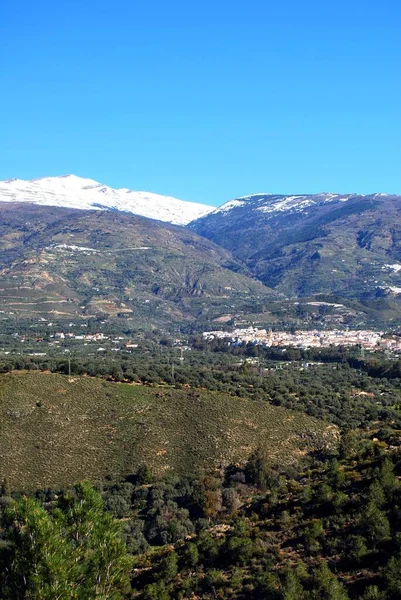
(229, 206)
(395, 267)
(272, 203)
(300, 203)
(391, 288)
(286, 204)
(254, 195)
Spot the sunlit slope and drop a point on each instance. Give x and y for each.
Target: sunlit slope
(68, 263)
(56, 430)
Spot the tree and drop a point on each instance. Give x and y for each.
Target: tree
(291, 587)
(326, 585)
(376, 494)
(375, 524)
(38, 558)
(239, 550)
(74, 552)
(348, 445)
(191, 555)
(259, 472)
(357, 548)
(387, 478)
(392, 576)
(372, 592)
(5, 489)
(230, 499)
(169, 567)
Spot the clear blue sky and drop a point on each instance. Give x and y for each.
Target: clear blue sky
(204, 100)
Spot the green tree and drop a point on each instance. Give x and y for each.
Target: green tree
(376, 494)
(357, 548)
(291, 587)
(372, 592)
(169, 567)
(326, 585)
(191, 555)
(39, 561)
(75, 552)
(392, 576)
(348, 445)
(239, 550)
(214, 580)
(375, 524)
(259, 472)
(387, 478)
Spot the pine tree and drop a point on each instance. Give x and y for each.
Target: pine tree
(375, 524)
(74, 552)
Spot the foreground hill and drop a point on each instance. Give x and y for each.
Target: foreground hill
(70, 191)
(301, 245)
(56, 430)
(67, 263)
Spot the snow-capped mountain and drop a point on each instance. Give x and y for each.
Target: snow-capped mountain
(274, 203)
(314, 243)
(70, 191)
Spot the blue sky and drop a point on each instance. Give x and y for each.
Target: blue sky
(206, 100)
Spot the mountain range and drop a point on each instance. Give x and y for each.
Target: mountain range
(308, 244)
(106, 258)
(70, 191)
(69, 263)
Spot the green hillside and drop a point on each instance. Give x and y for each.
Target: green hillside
(57, 430)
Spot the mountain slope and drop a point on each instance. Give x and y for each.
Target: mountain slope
(69, 262)
(350, 244)
(70, 191)
(57, 430)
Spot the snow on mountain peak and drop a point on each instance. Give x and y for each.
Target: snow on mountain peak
(71, 191)
(278, 203)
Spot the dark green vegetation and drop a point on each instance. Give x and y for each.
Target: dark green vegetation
(329, 531)
(61, 263)
(219, 491)
(234, 472)
(57, 430)
(335, 384)
(336, 248)
(74, 551)
(324, 529)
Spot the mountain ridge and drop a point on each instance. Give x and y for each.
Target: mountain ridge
(74, 262)
(70, 191)
(309, 244)
(289, 202)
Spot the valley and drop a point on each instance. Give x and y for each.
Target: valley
(230, 389)
(200, 382)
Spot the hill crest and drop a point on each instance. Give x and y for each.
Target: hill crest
(70, 191)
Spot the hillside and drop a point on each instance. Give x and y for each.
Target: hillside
(70, 191)
(57, 430)
(71, 263)
(302, 245)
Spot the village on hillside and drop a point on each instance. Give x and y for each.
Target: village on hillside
(368, 339)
